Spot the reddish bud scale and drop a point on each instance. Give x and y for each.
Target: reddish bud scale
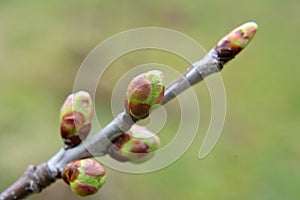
(138, 110)
(83, 189)
(68, 128)
(140, 88)
(71, 171)
(115, 148)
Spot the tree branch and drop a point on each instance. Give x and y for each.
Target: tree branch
(33, 180)
(37, 178)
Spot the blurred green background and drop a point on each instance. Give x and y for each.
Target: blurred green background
(42, 44)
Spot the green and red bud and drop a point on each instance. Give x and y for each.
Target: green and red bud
(144, 91)
(230, 45)
(85, 177)
(76, 116)
(137, 145)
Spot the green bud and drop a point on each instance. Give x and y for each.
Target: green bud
(76, 116)
(144, 91)
(85, 177)
(230, 45)
(137, 145)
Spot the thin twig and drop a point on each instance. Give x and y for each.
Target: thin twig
(35, 179)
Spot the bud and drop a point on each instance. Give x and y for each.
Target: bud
(144, 91)
(85, 177)
(137, 145)
(229, 46)
(76, 116)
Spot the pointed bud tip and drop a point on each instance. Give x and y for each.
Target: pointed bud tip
(250, 25)
(248, 31)
(230, 45)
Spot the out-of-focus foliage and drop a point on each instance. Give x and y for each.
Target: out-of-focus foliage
(42, 44)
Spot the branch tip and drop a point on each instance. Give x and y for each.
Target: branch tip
(230, 45)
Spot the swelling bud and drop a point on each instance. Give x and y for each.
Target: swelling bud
(137, 145)
(144, 91)
(230, 45)
(76, 116)
(85, 177)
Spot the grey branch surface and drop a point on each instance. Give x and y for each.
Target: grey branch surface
(36, 178)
